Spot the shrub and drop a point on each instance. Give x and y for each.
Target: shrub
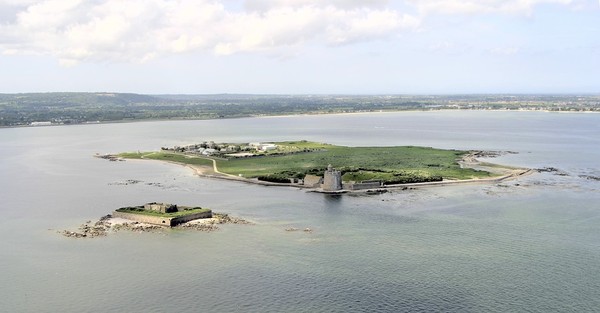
(274, 178)
(407, 179)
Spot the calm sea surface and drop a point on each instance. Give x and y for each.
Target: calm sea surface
(531, 245)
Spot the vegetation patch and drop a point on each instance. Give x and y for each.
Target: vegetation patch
(375, 162)
(168, 156)
(391, 177)
(133, 155)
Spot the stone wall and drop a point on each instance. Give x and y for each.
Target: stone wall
(362, 185)
(164, 221)
(191, 217)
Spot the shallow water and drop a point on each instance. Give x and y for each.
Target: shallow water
(525, 245)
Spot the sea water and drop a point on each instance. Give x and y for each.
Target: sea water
(531, 244)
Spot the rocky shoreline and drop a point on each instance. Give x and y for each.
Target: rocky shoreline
(109, 224)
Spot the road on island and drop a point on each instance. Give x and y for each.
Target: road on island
(215, 168)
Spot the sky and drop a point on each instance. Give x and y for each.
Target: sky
(300, 46)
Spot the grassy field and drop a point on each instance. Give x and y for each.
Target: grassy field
(140, 210)
(358, 163)
(298, 158)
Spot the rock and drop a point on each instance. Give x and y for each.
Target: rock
(552, 170)
(223, 218)
(590, 177)
(199, 226)
(105, 217)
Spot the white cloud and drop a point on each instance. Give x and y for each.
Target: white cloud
(77, 30)
(265, 5)
(138, 30)
(481, 6)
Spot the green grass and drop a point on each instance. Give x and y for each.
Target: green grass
(417, 160)
(133, 155)
(303, 144)
(393, 176)
(141, 211)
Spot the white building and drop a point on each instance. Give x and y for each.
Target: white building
(268, 147)
(209, 151)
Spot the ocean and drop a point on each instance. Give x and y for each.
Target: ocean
(527, 245)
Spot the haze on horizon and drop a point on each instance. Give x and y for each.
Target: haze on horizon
(300, 46)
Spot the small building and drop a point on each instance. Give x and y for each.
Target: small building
(160, 207)
(268, 147)
(313, 181)
(209, 151)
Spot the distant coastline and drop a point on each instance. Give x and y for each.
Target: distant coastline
(50, 109)
(300, 114)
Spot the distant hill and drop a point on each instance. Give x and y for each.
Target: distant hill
(83, 107)
(75, 99)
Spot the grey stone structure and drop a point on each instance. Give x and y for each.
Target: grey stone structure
(332, 180)
(163, 221)
(362, 185)
(160, 207)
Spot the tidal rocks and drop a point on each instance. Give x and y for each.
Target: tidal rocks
(110, 157)
(490, 154)
(222, 218)
(87, 230)
(293, 229)
(552, 170)
(137, 227)
(207, 227)
(126, 182)
(590, 177)
(107, 223)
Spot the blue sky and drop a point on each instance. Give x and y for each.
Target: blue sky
(300, 46)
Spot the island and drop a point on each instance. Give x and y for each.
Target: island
(162, 214)
(328, 168)
(154, 217)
